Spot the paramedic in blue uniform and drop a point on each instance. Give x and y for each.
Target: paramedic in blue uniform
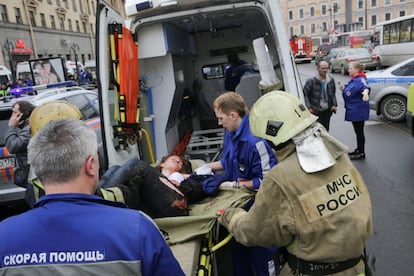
(71, 231)
(245, 160)
(235, 70)
(356, 99)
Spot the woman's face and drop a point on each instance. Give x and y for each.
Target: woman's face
(173, 163)
(352, 70)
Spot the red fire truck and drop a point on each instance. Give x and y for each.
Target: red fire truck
(301, 48)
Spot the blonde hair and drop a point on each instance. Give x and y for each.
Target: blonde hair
(358, 65)
(231, 102)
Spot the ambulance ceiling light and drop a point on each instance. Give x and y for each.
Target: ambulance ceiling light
(169, 4)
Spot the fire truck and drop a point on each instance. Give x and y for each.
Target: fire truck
(301, 48)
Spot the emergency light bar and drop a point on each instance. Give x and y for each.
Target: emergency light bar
(17, 92)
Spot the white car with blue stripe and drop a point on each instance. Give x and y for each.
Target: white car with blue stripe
(389, 89)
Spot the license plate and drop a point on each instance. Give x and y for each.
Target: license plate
(7, 162)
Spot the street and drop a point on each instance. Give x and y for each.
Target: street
(388, 173)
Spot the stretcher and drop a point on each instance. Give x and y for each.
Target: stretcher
(194, 238)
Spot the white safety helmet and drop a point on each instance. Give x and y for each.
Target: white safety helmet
(278, 116)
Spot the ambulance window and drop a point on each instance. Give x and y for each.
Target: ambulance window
(213, 71)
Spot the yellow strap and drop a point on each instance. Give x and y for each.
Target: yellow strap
(112, 194)
(38, 189)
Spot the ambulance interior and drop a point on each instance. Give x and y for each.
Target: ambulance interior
(182, 62)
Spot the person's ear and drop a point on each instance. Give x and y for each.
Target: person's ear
(90, 165)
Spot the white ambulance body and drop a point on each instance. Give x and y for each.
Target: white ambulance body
(182, 56)
(182, 48)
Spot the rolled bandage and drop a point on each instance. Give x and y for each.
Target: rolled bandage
(365, 95)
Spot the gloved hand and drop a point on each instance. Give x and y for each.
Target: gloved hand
(204, 170)
(229, 184)
(365, 95)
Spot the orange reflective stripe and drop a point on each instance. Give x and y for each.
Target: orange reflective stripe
(7, 174)
(94, 123)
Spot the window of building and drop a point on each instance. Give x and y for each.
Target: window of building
(313, 28)
(80, 6)
(324, 26)
(32, 18)
(323, 8)
(402, 13)
(373, 20)
(89, 8)
(360, 4)
(387, 2)
(3, 11)
(74, 5)
(402, 1)
(302, 29)
(301, 14)
(387, 16)
(52, 22)
(291, 31)
(61, 23)
(290, 15)
(18, 15)
(373, 3)
(312, 11)
(361, 19)
(84, 27)
(70, 25)
(43, 20)
(77, 26)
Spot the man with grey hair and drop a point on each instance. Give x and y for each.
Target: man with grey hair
(71, 230)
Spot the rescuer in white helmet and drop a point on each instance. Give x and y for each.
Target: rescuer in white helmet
(314, 203)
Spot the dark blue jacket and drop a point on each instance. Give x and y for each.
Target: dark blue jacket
(356, 110)
(246, 156)
(79, 234)
(234, 73)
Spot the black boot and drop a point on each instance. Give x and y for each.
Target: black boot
(356, 155)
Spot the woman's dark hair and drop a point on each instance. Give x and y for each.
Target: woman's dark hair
(186, 164)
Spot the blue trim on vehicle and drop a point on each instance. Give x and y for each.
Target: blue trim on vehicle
(385, 80)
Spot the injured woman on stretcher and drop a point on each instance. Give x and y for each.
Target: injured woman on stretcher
(183, 202)
(182, 196)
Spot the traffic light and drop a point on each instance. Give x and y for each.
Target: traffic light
(335, 7)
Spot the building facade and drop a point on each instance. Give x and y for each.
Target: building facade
(318, 18)
(31, 29)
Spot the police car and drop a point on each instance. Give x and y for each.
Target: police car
(85, 100)
(389, 89)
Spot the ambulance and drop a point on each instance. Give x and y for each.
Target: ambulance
(161, 69)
